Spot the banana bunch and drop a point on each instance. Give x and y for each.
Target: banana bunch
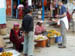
(51, 33)
(57, 33)
(40, 37)
(6, 54)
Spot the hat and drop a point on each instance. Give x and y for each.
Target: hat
(40, 21)
(16, 24)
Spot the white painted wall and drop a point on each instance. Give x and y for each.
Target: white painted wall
(29, 2)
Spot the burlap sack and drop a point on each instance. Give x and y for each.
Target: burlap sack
(2, 43)
(3, 31)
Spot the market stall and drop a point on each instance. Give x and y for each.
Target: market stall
(51, 38)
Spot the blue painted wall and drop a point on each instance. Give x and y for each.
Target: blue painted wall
(3, 14)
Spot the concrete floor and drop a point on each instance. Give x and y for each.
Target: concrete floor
(53, 50)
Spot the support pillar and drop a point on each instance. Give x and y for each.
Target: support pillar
(43, 10)
(18, 2)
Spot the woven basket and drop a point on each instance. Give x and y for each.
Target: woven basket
(3, 31)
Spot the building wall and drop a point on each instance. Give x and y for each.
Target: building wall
(2, 16)
(2, 12)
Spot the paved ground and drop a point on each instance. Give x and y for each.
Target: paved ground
(53, 50)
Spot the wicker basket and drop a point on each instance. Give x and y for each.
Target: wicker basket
(3, 31)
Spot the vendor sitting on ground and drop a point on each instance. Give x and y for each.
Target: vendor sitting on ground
(39, 29)
(16, 37)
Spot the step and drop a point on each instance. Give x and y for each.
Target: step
(9, 45)
(5, 36)
(7, 40)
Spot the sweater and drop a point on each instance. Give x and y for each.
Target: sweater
(27, 23)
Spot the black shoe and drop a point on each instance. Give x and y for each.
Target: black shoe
(62, 46)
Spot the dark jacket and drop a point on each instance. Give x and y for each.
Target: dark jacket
(27, 23)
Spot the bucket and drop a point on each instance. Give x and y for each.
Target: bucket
(58, 39)
(1, 49)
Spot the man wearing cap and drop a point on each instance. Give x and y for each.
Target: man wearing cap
(63, 22)
(27, 26)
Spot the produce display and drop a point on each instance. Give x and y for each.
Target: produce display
(40, 37)
(53, 33)
(6, 54)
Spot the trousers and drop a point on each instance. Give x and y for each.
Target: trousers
(63, 32)
(73, 26)
(29, 43)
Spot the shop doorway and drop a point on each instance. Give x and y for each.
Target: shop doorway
(8, 8)
(15, 4)
(14, 8)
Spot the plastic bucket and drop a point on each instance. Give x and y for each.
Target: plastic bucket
(1, 49)
(58, 39)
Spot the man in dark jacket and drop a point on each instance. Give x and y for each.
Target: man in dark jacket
(27, 26)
